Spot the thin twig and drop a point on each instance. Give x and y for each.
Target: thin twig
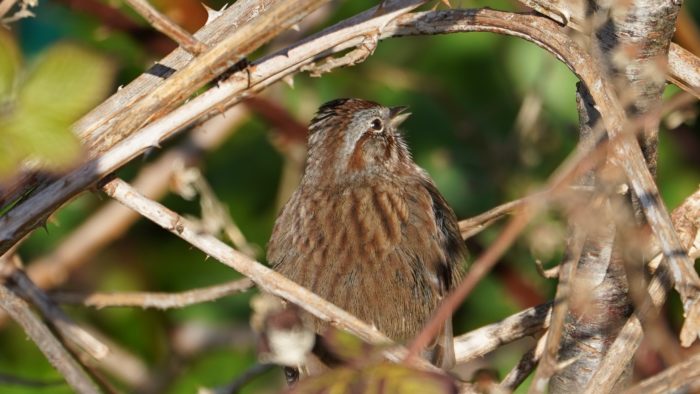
(525, 366)
(474, 225)
(550, 273)
(215, 216)
(57, 355)
(567, 271)
(680, 378)
(29, 213)
(119, 363)
(22, 13)
(683, 66)
(69, 330)
(481, 341)
(166, 26)
(659, 335)
(5, 7)
(156, 300)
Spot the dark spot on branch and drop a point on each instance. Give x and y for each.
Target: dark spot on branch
(161, 70)
(648, 199)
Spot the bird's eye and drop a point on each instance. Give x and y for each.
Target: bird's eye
(377, 124)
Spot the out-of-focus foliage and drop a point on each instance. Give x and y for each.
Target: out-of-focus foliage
(377, 378)
(39, 104)
(363, 371)
(493, 116)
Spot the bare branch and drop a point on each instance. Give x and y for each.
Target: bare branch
(599, 305)
(567, 271)
(627, 154)
(69, 330)
(46, 341)
(629, 338)
(95, 124)
(684, 275)
(486, 339)
(683, 377)
(207, 66)
(550, 273)
(157, 300)
(525, 366)
(683, 66)
(686, 220)
(153, 181)
(97, 121)
(166, 26)
(474, 225)
(215, 216)
(5, 6)
(23, 12)
(683, 69)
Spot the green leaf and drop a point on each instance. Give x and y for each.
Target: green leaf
(48, 143)
(65, 83)
(9, 63)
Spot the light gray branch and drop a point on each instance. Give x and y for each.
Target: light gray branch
(481, 341)
(46, 342)
(680, 378)
(70, 331)
(157, 300)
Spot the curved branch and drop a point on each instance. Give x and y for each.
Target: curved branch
(683, 66)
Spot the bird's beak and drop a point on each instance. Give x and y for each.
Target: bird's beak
(398, 116)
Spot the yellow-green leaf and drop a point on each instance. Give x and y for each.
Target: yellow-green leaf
(347, 347)
(382, 378)
(65, 83)
(47, 143)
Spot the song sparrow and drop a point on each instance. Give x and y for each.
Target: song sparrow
(367, 229)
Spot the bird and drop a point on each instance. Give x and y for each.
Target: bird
(367, 228)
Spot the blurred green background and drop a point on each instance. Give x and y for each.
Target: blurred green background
(472, 97)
